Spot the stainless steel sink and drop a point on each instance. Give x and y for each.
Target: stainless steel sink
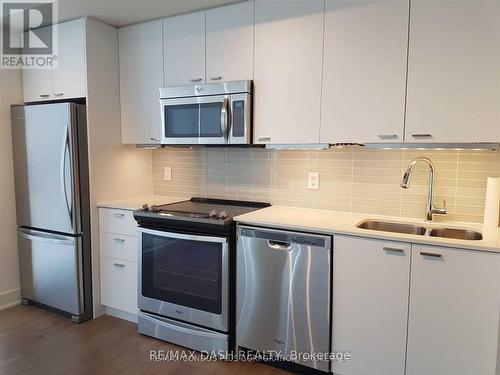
(392, 227)
(458, 234)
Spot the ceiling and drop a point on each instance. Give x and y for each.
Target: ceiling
(124, 12)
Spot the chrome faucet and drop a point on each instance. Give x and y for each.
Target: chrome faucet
(405, 184)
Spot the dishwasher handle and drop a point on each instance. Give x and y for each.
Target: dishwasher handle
(280, 245)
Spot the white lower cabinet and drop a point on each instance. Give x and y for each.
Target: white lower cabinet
(438, 312)
(454, 312)
(370, 305)
(118, 261)
(119, 284)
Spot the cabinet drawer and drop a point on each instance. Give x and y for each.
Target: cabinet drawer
(119, 284)
(118, 246)
(117, 221)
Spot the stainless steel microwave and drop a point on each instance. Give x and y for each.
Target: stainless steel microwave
(208, 114)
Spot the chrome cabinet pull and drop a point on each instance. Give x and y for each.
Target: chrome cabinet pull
(216, 78)
(264, 139)
(118, 215)
(120, 240)
(195, 79)
(119, 265)
(44, 96)
(387, 136)
(59, 94)
(393, 250)
(154, 139)
(421, 135)
(432, 255)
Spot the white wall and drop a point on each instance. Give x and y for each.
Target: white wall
(10, 93)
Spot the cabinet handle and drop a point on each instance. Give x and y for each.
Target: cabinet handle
(393, 250)
(421, 135)
(119, 265)
(120, 240)
(44, 96)
(216, 78)
(387, 136)
(118, 215)
(59, 94)
(195, 79)
(154, 139)
(432, 255)
(264, 139)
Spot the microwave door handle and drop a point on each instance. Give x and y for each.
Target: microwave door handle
(224, 118)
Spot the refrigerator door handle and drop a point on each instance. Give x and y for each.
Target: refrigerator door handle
(65, 150)
(46, 237)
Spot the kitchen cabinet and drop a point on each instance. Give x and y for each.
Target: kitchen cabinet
(453, 71)
(370, 305)
(184, 49)
(287, 76)
(66, 81)
(454, 311)
(229, 42)
(364, 71)
(141, 76)
(118, 250)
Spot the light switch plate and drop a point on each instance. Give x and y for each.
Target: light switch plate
(167, 173)
(313, 182)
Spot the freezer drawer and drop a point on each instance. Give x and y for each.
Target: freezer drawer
(283, 293)
(50, 270)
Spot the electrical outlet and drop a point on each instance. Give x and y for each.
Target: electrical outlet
(313, 182)
(167, 174)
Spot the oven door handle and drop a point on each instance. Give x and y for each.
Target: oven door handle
(181, 236)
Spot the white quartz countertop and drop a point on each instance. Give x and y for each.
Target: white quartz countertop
(334, 222)
(137, 202)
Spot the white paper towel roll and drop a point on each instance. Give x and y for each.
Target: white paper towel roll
(492, 204)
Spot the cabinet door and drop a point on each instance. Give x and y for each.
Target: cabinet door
(119, 284)
(454, 311)
(141, 76)
(230, 42)
(69, 79)
(453, 71)
(370, 305)
(364, 73)
(37, 83)
(288, 62)
(184, 49)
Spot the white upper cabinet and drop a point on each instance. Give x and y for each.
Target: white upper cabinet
(69, 79)
(141, 76)
(454, 311)
(184, 49)
(454, 71)
(288, 63)
(66, 81)
(370, 305)
(364, 73)
(229, 38)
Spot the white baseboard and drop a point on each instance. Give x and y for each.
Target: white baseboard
(10, 299)
(121, 314)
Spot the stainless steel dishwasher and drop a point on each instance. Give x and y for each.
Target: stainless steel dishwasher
(283, 293)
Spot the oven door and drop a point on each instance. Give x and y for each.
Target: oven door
(184, 277)
(196, 120)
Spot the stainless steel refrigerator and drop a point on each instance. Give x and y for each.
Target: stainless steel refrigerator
(53, 209)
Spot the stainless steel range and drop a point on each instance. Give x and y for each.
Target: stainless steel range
(186, 288)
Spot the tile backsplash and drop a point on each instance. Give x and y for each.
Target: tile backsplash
(352, 179)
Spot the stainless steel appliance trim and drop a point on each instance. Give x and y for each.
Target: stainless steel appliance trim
(55, 239)
(192, 315)
(219, 88)
(64, 152)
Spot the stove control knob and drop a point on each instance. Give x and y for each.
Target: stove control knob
(145, 207)
(213, 214)
(154, 208)
(222, 215)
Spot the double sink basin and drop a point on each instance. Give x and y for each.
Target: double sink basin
(404, 228)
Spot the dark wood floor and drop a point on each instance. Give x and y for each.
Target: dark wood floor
(36, 341)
